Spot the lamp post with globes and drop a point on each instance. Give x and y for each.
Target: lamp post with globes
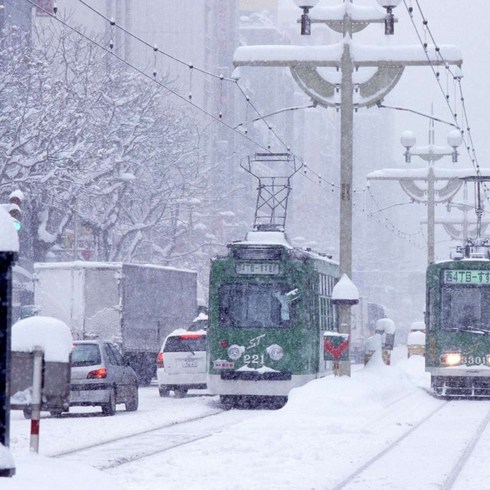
(429, 177)
(431, 153)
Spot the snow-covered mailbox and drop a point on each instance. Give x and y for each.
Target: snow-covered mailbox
(53, 338)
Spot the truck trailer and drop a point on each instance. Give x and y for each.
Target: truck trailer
(133, 305)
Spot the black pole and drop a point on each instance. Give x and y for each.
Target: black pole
(7, 260)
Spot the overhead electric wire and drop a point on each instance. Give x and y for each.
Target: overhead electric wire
(470, 148)
(167, 88)
(319, 178)
(220, 77)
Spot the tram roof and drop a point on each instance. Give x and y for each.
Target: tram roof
(265, 238)
(279, 239)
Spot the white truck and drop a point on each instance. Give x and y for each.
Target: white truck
(133, 305)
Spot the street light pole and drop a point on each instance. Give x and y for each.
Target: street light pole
(430, 154)
(347, 56)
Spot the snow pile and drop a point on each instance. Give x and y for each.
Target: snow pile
(416, 338)
(322, 422)
(51, 334)
(37, 472)
(6, 460)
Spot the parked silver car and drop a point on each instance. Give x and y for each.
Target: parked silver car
(101, 377)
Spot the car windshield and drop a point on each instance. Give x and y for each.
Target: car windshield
(179, 344)
(465, 306)
(85, 355)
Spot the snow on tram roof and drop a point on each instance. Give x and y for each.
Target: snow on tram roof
(278, 238)
(265, 238)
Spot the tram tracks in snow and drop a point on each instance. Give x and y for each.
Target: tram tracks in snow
(125, 449)
(375, 470)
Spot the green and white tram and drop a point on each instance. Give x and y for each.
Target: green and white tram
(458, 327)
(269, 306)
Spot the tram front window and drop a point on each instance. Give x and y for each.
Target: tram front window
(464, 307)
(257, 305)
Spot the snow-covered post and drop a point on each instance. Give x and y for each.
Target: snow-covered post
(372, 345)
(386, 328)
(37, 377)
(9, 247)
(344, 295)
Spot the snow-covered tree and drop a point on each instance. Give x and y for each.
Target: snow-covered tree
(98, 147)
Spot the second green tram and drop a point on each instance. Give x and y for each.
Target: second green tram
(269, 306)
(458, 327)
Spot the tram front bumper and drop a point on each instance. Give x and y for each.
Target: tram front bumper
(228, 384)
(461, 382)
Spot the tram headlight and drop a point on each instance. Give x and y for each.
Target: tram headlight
(235, 351)
(276, 352)
(451, 358)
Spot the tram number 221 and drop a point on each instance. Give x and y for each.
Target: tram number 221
(253, 359)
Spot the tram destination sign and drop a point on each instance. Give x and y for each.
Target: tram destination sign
(261, 268)
(466, 277)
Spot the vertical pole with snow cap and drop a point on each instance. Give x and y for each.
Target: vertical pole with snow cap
(37, 374)
(9, 248)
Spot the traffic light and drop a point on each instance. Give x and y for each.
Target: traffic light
(14, 211)
(15, 199)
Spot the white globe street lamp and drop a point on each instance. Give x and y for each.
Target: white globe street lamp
(306, 5)
(389, 5)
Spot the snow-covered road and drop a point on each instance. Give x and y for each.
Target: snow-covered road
(380, 429)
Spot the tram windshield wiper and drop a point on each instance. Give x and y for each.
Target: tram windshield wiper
(472, 329)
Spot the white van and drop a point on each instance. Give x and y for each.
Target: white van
(181, 362)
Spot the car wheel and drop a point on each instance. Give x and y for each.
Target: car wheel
(163, 391)
(27, 412)
(180, 392)
(132, 403)
(109, 408)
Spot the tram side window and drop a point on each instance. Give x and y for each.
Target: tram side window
(257, 305)
(325, 309)
(326, 314)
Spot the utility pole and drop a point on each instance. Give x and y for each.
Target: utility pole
(348, 57)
